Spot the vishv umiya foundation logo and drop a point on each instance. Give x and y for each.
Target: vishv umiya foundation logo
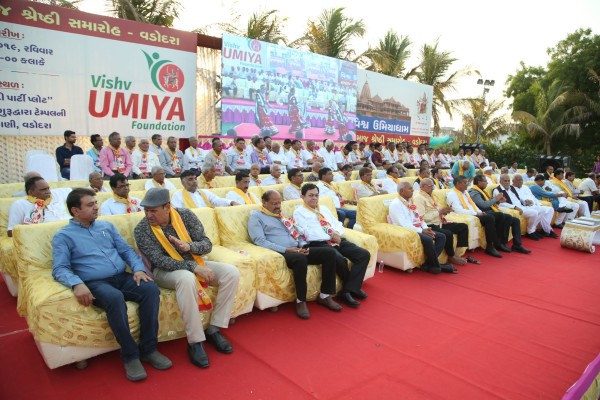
(165, 75)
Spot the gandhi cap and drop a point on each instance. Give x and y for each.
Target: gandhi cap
(156, 197)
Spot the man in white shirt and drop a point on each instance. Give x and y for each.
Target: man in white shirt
(424, 173)
(328, 155)
(240, 194)
(274, 177)
(311, 154)
(143, 160)
(366, 188)
(191, 197)
(489, 176)
(529, 176)
(171, 158)
(529, 201)
(513, 201)
(237, 158)
(96, 182)
(557, 185)
(193, 157)
(279, 157)
(328, 188)
(404, 213)
(390, 153)
(412, 160)
(297, 157)
(254, 175)
(514, 168)
(293, 190)
(344, 174)
(158, 180)
(323, 229)
(588, 187)
(460, 201)
(346, 157)
(391, 181)
(121, 202)
(577, 192)
(41, 205)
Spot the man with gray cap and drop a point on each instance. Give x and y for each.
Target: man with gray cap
(173, 241)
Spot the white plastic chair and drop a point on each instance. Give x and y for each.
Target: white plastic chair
(82, 166)
(45, 165)
(31, 153)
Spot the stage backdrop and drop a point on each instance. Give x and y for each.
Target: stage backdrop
(281, 92)
(63, 69)
(392, 109)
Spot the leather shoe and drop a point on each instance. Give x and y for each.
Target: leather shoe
(347, 298)
(448, 268)
(564, 210)
(553, 235)
(493, 252)
(302, 310)
(329, 303)
(558, 226)
(134, 370)
(361, 294)
(198, 356)
(504, 248)
(521, 249)
(221, 344)
(430, 269)
(532, 236)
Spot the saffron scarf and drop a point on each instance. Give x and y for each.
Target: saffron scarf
(175, 164)
(485, 196)
(396, 180)
(337, 192)
(417, 220)
(158, 185)
(204, 183)
(563, 185)
(245, 196)
(327, 228)
(289, 223)
(189, 202)
(204, 303)
(464, 203)
(131, 204)
(37, 215)
(119, 162)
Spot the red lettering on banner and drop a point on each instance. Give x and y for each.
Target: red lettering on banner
(124, 106)
(125, 109)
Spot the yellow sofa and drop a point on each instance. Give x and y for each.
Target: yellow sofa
(65, 331)
(274, 280)
(476, 232)
(8, 266)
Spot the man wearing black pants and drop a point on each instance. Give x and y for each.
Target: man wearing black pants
(322, 229)
(504, 222)
(435, 218)
(270, 229)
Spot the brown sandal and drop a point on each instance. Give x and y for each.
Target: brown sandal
(473, 261)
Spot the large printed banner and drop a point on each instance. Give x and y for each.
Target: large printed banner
(63, 69)
(392, 109)
(277, 91)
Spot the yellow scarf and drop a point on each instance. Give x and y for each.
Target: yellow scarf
(119, 162)
(158, 185)
(417, 220)
(396, 180)
(204, 302)
(563, 185)
(464, 203)
(485, 196)
(336, 191)
(193, 151)
(132, 205)
(288, 222)
(256, 180)
(327, 228)
(204, 183)
(437, 183)
(461, 170)
(37, 215)
(245, 196)
(491, 176)
(370, 186)
(189, 202)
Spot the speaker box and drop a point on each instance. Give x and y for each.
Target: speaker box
(555, 161)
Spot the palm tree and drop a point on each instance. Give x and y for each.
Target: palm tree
(266, 26)
(485, 115)
(390, 56)
(434, 70)
(61, 3)
(156, 12)
(558, 114)
(331, 33)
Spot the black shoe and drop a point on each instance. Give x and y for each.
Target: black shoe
(221, 344)
(347, 298)
(521, 249)
(361, 294)
(564, 210)
(198, 356)
(448, 268)
(553, 235)
(558, 226)
(542, 234)
(532, 236)
(493, 252)
(430, 269)
(504, 248)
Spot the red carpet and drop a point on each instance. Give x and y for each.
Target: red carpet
(523, 327)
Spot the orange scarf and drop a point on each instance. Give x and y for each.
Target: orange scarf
(464, 203)
(485, 196)
(337, 192)
(204, 183)
(417, 220)
(119, 162)
(289, 223)
(39, 205)
(248, 199)
(131, 204)
(175, 164)
(327, 228)
(563, 185)
(188, 200)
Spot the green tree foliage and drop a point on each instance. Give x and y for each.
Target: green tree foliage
(155, 12)
(73, 5)
(519, 87)
(390, 56)
(488, 115)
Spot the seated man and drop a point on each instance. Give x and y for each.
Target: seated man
(513, 201)
(193, 157)
(588, 187)
(460, 201)
(255, 175)
(174, 242)
(218, 159)
(424, 173)
(529, 201)
(121, 202)
(41, 205)
(143, 161)
(490, 177)
(412, 159)
(344, 174)
(328, 188)
(65, 152)
(237, 158)
(322, 229)
(549, 172)
(390, 183)
(514, 168)
(504, 222)
(275, 177)
(566, 210)
(557, 185)
(314, 173)
(158, 180)
(435, 218)
(365, 188)
(93, 265)
(403, 212)
(437, 179)
(270, 229)
(529, 176)
(96, 182)
(115, 159)
(463, 168)
(293, 190)
(382, 173)
(347, 157)
(192, 197)
(206, 178)
(577, 192)
(240, 194)
(171, 158)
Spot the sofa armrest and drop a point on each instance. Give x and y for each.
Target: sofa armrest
(393, 239)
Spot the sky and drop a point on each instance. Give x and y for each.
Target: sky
(490, 37)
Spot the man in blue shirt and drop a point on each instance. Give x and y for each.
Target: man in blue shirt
(558, 200)
(89, 256)
(65, 152)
